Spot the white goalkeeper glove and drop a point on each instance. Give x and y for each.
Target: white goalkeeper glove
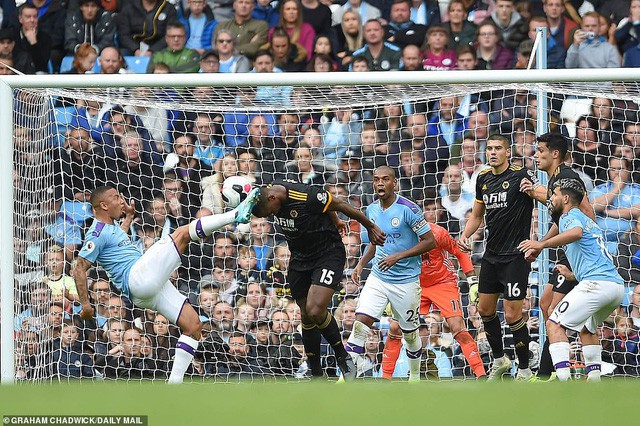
(473, 289)
(170, 162)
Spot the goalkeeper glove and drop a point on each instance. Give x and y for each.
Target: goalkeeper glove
(473, 289)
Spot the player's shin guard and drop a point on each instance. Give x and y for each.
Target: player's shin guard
(331, 333)
(414, 354)
(206, 225)
(493, 330)
(521, 341)
(560, 355)
(185, 350)
(311, 339)
(358, 336)
(390, 355)
(593, 360)
(470, 351)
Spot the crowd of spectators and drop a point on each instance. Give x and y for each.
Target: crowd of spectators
(172, 163)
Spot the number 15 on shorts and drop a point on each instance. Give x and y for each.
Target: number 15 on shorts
(326, 277)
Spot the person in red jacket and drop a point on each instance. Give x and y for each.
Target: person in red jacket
(439, 283)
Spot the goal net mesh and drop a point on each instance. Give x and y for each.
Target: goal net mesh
(169, 149)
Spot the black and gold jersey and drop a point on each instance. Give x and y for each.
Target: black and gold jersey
(562, 172)
(507, 210)
(304, 221)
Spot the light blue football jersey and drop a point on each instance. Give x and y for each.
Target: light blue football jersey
(403, 222)
(111, 247)
(588, 256)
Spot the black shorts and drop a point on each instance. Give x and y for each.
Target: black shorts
(559, 282)
(326, 272)
(509, 276)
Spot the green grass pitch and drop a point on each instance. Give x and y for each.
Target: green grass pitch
(329, 404)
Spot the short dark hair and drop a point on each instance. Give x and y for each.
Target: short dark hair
(463, 50)
(387, 169)
(262, 52)
(592, 122)
(361, 58)
(572, 188)
(98, 194)
(555, 142)
(501, 138)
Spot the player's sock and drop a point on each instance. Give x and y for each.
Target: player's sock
(185, 350)
(358, 336)
(593, 359)
(331, 333)
(546, 365)
(414, 354)
(390, 354)
(206, 225)
(470, 351)
(560, 355)
(521, 341)
(311, 339)
(493, 330)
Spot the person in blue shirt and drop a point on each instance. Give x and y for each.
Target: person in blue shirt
(600, 288)
(395, 272)
(144, 278)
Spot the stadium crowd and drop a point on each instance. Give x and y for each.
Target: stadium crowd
(172, 164)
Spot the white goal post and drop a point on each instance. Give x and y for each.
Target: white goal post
(538, 80)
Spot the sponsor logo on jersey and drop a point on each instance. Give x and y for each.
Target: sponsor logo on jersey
(484, 187)
(89, 247)
(495, 200)
(322, 197)
(294, 213)
(395, 221)
(126, 242)
(286, 224)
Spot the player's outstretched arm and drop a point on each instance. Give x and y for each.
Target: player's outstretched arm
(426, 243)
(364, 260)
(79, 274)
(563, 238)
(472, 225)
(376, 236)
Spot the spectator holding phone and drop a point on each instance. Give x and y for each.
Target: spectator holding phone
(590, 50)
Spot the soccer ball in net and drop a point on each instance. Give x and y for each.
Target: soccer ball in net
(235, 190)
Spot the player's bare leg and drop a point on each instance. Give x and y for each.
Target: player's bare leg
(315, 311)
(191, 327)
(392, 348)
(468, 345)
(487, 303)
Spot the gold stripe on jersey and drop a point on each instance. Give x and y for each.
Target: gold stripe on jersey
(515, 168)
(485, 171)
(329, 200)
(479, 201)
(297, 195)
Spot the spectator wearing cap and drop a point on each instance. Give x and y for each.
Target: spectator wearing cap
(199, 23)
(32, 40)
(210, 62)
(556, 53)
(437, 57)
(51, 20)
(89, 24)
(142, 26)
(401, 30)
(591, 52)
(19, 60)
(381, 55)
(461, 31)
(176, 56)
(510, 24)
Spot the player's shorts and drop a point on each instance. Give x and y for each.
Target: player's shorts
(559, 282)
(510, 277)
(403, 298)
(445, 297)
(588, 305)
(149, 284)
(327, 272)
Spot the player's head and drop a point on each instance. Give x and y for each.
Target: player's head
(498, 150)
(551, 152)
(268, 204)
(567, 193)
(106, 200)
(384, 182)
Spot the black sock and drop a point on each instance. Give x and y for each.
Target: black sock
(493, 330)
(311, 339)
(331, 333)
(546, 364)
(521, 341)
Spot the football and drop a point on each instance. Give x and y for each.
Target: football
(235, 190)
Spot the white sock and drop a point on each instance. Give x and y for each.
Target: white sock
(185, 349)
(414, 354)
(593, 360)
(208, 224)
(358, 336)
(560, 357)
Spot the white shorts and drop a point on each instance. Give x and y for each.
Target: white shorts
(149, 283)
(588, 305)
(404, 300)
